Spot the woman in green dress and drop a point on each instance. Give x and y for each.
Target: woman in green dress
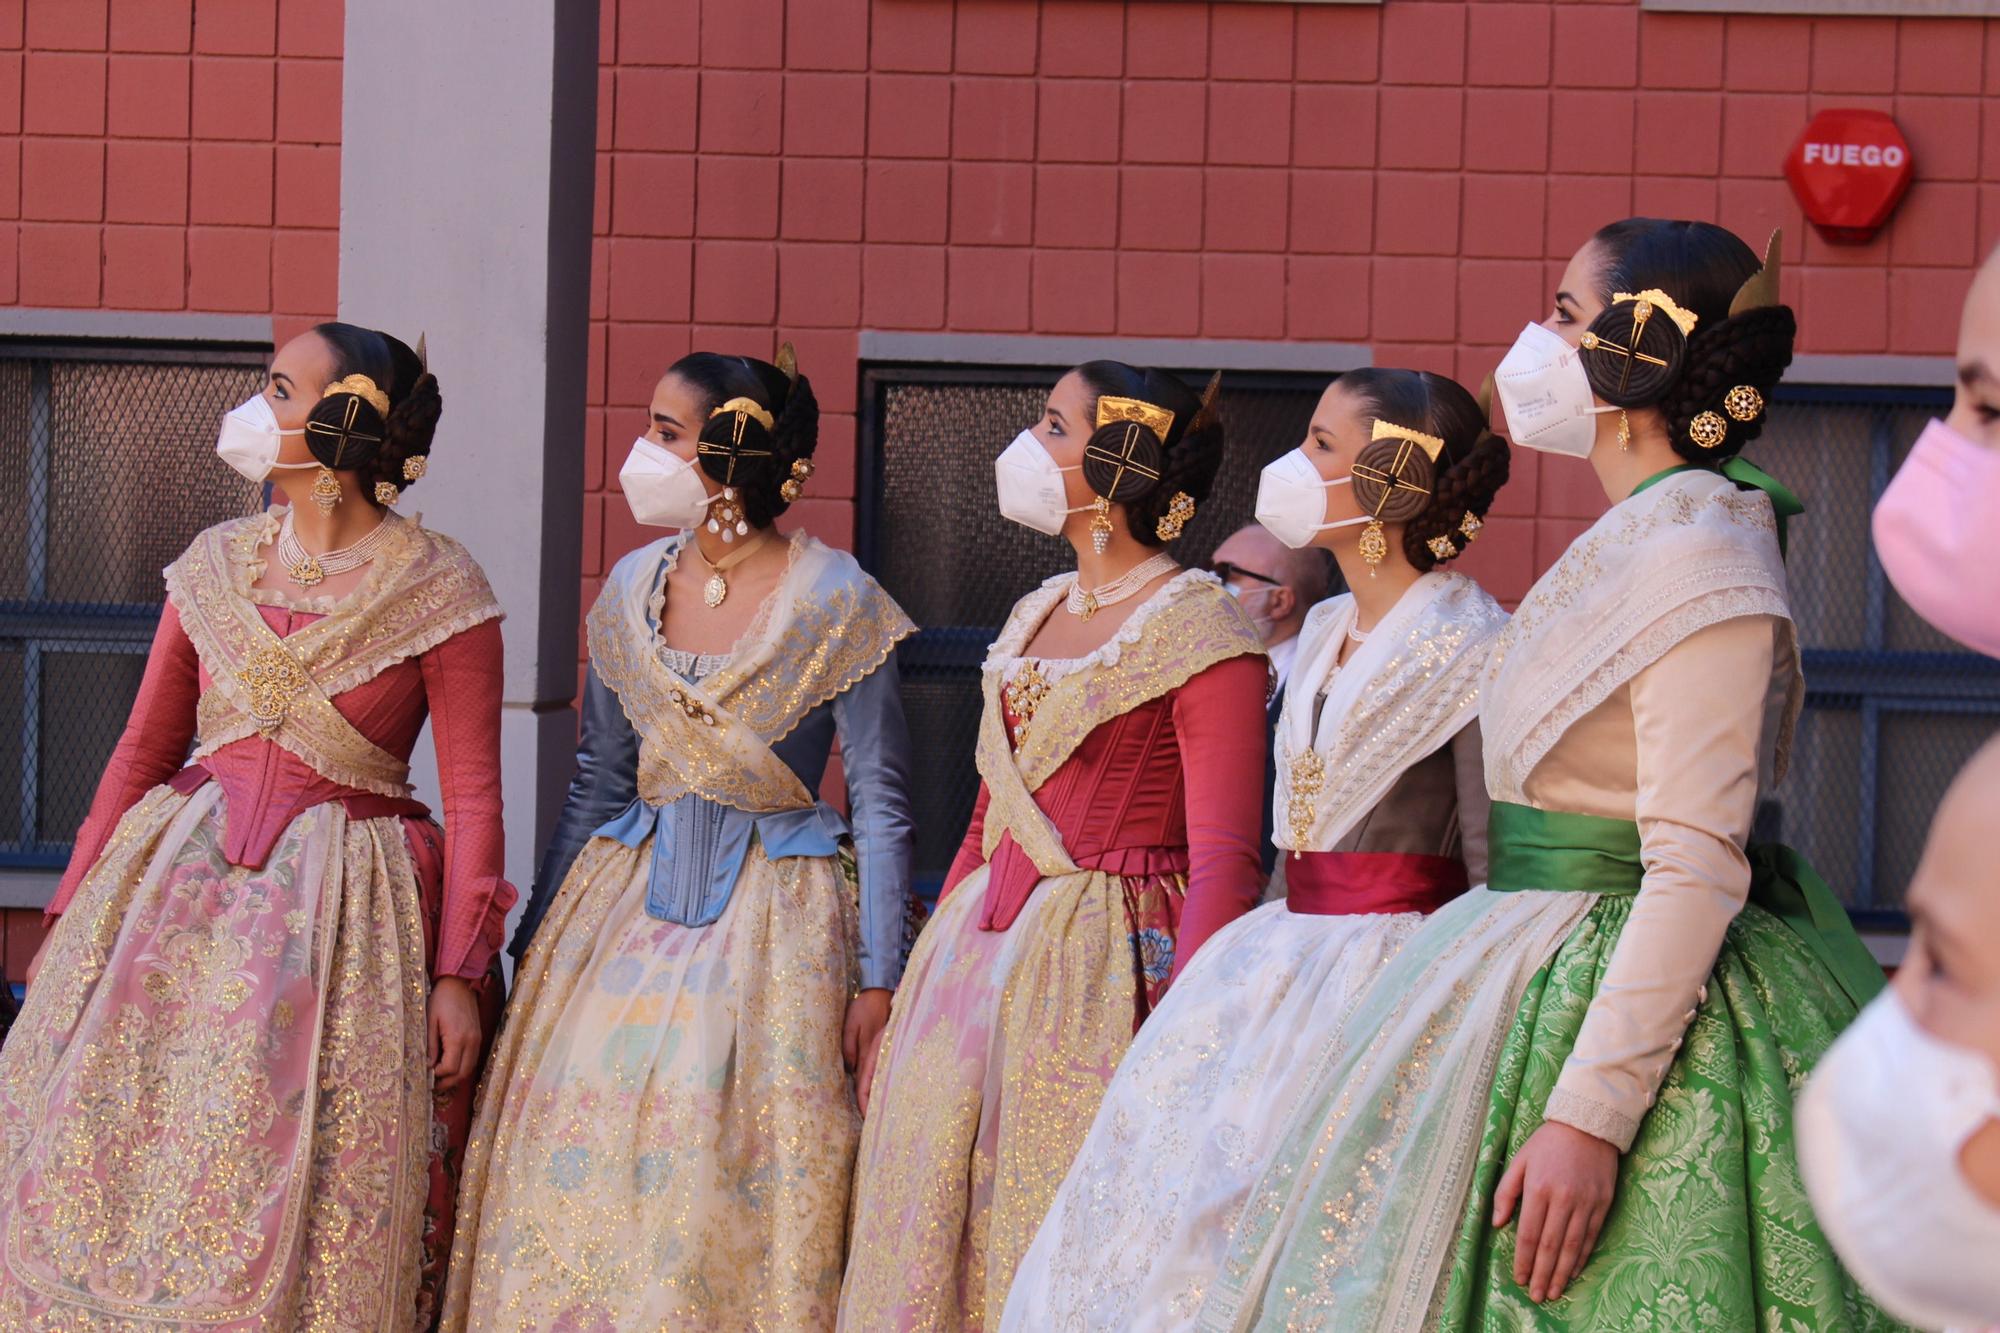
(1567, 1103)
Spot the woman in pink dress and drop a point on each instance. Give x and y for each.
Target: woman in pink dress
(235, 1097)
(1121, 758)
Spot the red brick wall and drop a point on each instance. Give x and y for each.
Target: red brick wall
(158, 155)
(1412, 176)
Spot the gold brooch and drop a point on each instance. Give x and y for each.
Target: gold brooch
(273, 678)
(1308, 772)
(1024, 694)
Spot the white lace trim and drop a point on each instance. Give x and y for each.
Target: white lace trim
(1029, 613)
(1592, 1117)
(760, 623)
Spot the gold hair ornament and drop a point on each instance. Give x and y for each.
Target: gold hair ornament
(788, 361)
(363, 388)
(1155, 419)
(415, 466)
(386, 493)
(746, 407)
(795, 485)
(1761, 288)
(1470, 525)
(1179, 510)
(1743, 402)
(1374, 544)
(1708, 430)
(1654, 299)
(1441, 547)
(1389, 430)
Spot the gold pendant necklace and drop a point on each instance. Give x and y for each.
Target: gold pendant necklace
(716, 590)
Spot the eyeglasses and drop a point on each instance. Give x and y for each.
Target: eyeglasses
(1229, 573)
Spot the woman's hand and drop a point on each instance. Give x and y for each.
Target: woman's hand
(35, 963)
(867, 1014)
(454, 1032)
(1563, 1180)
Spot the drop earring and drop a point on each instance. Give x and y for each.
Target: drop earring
(1100, 524)
(326, 490)
(1374, 545)
(1624, 431)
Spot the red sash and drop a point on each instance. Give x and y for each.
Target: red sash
(1359, 883)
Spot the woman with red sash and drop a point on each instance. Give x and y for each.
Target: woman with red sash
(1380, 814)
(236, 1095)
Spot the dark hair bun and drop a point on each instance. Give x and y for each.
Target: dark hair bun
(1122, 461)
(737, 448)
(1750, 350)
(345, 431)
(1392, 479)
(1632, 353)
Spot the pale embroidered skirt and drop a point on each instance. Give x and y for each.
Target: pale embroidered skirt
(215, 1109)
(1139, 1228)
(1352, 1221)
(997, 1053)
(667, 1130)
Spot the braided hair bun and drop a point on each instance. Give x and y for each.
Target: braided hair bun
(380, 410)
(1184, 463)
(760, 428)
(1713, 391)
(1441, 502)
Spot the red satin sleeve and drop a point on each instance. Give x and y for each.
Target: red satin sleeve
(462, 684)
(1219, 719)
(971, 854)
(153, 748)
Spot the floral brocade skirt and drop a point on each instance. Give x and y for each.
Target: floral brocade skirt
(216, 1108)
(1140, 1226)
(666, 1134)
(1710, 1227)
(997, 1053)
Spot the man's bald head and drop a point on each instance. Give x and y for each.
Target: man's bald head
(1296, 579)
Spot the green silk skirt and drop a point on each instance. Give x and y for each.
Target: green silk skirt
(1710, 1227)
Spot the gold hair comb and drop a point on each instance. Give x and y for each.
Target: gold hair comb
(1389, 430)
(363, 388)
(1155, 419)
(1684, 319)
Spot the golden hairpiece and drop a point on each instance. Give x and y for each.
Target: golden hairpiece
(423, 355)
(1653, 296)
(1761, 288)
(788, 361)
(747, 407)
(1208, 397)
(363, 388)
(1155, 419)
(1389, 430)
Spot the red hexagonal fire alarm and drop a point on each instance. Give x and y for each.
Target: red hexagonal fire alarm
(1849, 170)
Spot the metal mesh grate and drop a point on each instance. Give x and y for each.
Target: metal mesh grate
(942, 549)
(110, 451)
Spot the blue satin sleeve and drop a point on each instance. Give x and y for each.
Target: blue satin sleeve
(875, 755)
(606, 783)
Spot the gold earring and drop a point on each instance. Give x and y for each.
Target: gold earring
(386, 493)
(1179, 510)
(1374, 545)
(326, 490)
(1624, 430)
(1100, 524)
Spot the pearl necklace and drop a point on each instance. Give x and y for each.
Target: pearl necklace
(308, 570)
(1084, 602)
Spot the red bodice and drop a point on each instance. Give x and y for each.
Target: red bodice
(1173, 786)
(456, 684)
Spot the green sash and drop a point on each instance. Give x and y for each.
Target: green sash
(1750, 477)
(1553, 849)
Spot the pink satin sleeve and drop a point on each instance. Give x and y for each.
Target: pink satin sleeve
(153, 748)
(462, 684)
(1219, 719)
(971, 854)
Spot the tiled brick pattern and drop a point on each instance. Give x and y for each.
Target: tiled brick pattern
(171, 155)
(1411, 176)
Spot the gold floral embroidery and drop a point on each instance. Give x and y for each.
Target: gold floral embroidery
(421, 589)
(713, 738)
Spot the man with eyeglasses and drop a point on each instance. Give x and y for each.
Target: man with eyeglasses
(1275, 586)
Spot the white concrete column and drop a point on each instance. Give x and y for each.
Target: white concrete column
(468, 145)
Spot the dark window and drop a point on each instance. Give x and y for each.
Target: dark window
(930, 528)
(107, 452)
(1893, 708)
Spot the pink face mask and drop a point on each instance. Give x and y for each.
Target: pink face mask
(1933, 530)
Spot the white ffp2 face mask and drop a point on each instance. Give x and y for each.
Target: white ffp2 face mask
(662, 488)
(250, 438)
(1031, 486)
(1546, 395)
(1880, 1126)
(1291, 500)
